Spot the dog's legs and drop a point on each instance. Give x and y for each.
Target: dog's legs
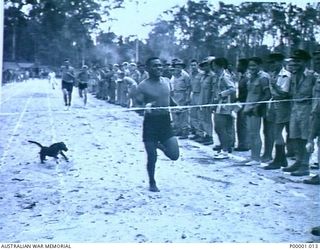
(42, 158)
(57, 159)
(64, 156)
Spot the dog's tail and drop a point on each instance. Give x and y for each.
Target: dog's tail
(36, 143)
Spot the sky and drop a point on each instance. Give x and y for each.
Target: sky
(132, 17)
(135, 13)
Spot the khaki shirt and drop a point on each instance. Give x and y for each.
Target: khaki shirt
(181, 88)
(256, 90)
(195, 81)
(207, 82)
(224, 92)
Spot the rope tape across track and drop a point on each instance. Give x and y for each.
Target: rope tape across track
(219, 104)
(173, 108)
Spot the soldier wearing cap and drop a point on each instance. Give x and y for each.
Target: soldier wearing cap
(126, 84)
(143, 73)
(103, 86)
(279, 112)
(180, 89)
(135, 75)
(112, 82)
(125, 68)
(134, 72)
(195, 77)
(207, 81)
(301, 90)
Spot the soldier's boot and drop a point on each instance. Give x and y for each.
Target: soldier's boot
(208, 140)
(294, 167)
(302, 171)
(280, 159)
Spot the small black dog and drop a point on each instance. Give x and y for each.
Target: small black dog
(52, 151)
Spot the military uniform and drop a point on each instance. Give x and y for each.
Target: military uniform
(301, 109)
(301, 89)
(257, 87)
(205, 97)
(195, 81)
(181, 88)
(224, 92)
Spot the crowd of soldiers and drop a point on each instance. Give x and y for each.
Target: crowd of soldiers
(114, 82)
(277, 92)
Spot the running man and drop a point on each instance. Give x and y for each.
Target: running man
(52, 79)
(157, 131)
(68, 78)
(83, 79)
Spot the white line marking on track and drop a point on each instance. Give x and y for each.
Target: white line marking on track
(7, 147)
(51, 120)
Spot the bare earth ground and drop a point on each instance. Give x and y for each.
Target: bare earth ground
(101, 194)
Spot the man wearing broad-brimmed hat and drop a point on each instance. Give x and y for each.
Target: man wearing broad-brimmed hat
(301, 91)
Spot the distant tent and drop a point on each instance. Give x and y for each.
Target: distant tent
(10, 66)
(26, 65)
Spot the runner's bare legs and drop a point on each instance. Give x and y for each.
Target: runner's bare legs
(170, 148)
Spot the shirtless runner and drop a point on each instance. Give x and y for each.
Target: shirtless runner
(157, 131)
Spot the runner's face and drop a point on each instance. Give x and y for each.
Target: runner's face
(155, 68)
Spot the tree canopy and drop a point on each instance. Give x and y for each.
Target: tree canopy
(48, 31)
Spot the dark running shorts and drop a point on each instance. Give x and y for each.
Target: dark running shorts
(157, 128)
(67, 85)
(83, 85)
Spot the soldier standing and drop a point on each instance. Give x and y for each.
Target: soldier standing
(280, 111)
(224, 92)
(181, 88)
(258, 90)
(301, 90)
(241, 123)
(207, 81)
(195, 77)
